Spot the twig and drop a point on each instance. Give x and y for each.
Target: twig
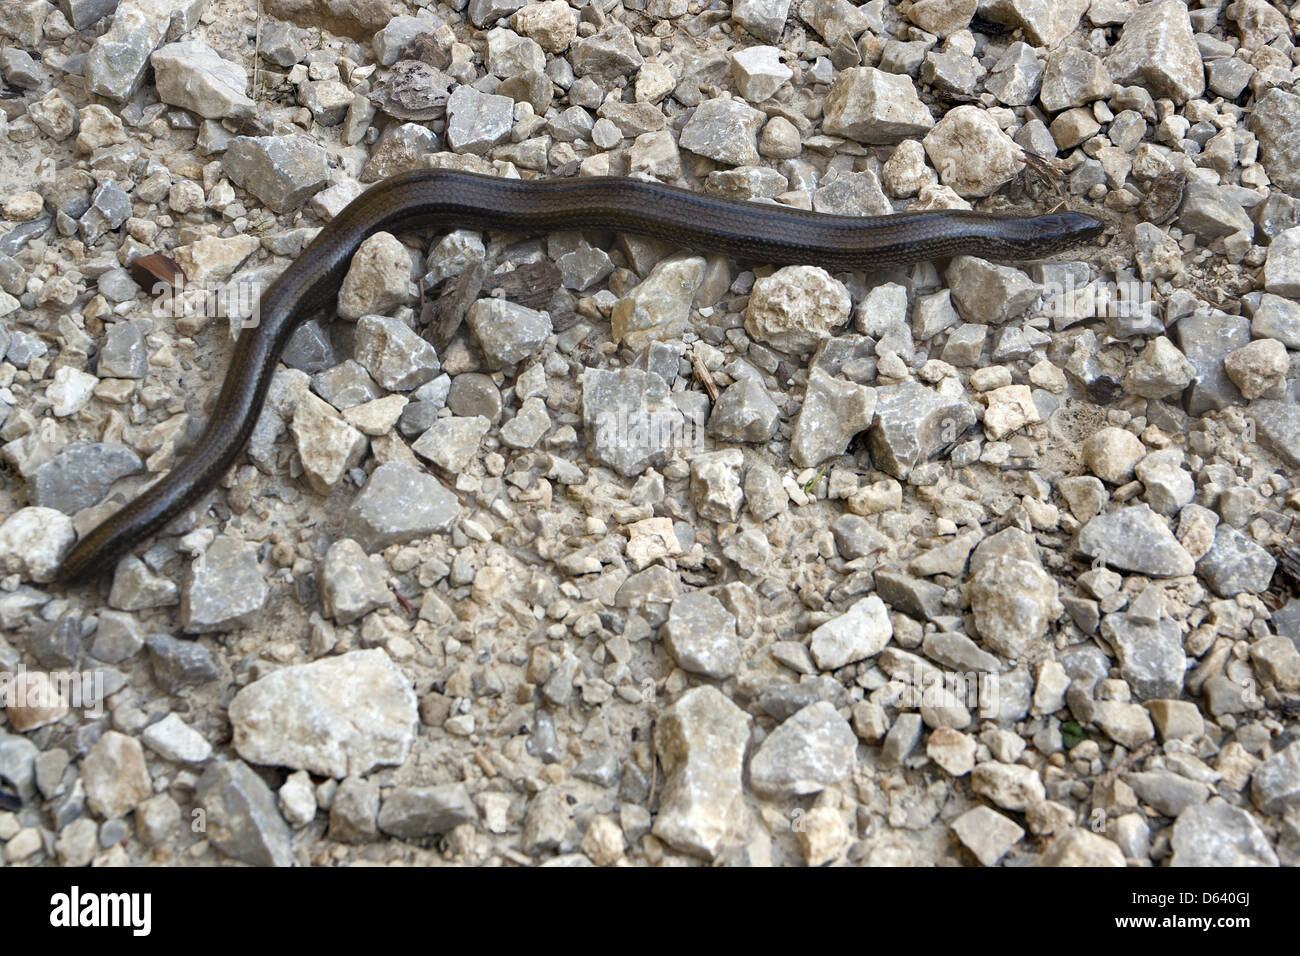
(257, 48)
(706, 378)
(406, 605)
(654, 769)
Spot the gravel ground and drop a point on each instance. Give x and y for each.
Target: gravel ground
(584, 549)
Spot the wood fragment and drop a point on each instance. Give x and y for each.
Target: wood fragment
(706, 378)
(1163, 196)
(406, 605)
(445, 313)
(530, 285)
(150, 270)
(563, 321)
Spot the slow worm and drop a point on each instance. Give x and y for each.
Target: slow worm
(444, 198)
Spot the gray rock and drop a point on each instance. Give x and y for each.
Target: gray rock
(965, 345)
(1169, 486)
(840, 21)
(116, 64)
(1275, 785)
(701, 743)
(1134, 538)
(157, 819)
(1211, 213)
(309, 349)
(606, 55)
(765, 497)
(22, 71)
(986, 833)
(528, 427)
(658, 307)
(701, 635)
(400, 503)
(715, 484)
(477, 121)
(913, 596)
(1016, 77)
(123, 353)
(172, 739)
(484, 13)
(1151, 656)
(855, 536)
(335, 717)
(584, 266)
(1157, 50)
(1275, 120)
(860, 632)
(913, 424)
(243, 821)
(763, 19)
(959, 652)
(833, 412)
(1168, 792)
(57, 644)
(1228, 76)
(955, 74)
(354, 812)
(782, 701)
(1217, 834)
(415, 90)
(1278, 428)
(874, 107)
(412, 813)
(901, 739)
(195, 77)
(350, 583)
(1277, 318)
(1073, 77)
(451, 443)
(851, 194)
(601, 768)
(397, 358)
(396, 36)
(118, 637)
(12, 243)
(115, 776)
(810, 751)
(345, 385)
(548, 823)
(473, 393)
(1013, 601)
(1282, 265)
(401, 149)
(1235, 564)
(631, 421)
(282, 172)
(81, 475)
(989, 293)
(724, 130)
(109, 208)
(744, 413)
(283, 43)
(84, 13)
(507, 333)
(1206, 338)
(226, 587)
(179, 664)
(1010, 786)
